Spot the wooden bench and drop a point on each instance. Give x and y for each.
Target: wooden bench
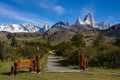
(32, 65)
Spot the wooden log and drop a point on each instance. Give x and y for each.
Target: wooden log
(12, 70)
(38, 63)
(16, 70)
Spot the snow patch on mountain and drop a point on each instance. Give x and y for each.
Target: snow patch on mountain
(89, 20)
(23, 27)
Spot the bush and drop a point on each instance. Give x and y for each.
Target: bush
(14, 42)
(106, 56)
(29, 50)
(60, 48)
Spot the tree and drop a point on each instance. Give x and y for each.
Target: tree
(99, 40)
(14, 42)
(78, 40)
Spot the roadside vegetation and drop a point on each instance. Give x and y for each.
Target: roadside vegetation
(15, 50)
(98, 54)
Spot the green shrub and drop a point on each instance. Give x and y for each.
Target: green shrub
(107, 56)
(78, 40)
(29, 50)
(14, 42)
(60, 48)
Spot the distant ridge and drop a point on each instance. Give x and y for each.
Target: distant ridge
(112, 31)
(87, 24)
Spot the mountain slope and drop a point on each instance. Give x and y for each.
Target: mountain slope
(60, 26)
(3, 37)
(113, 31)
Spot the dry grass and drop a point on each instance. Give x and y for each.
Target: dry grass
(28, 38)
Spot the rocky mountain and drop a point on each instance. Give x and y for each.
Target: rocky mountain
(79, 21)
(20, 28)
(87, 24)
(102, 25)
(23, 27)
(89, 20)
(61, 26)
(67, 23)
(45, 28)
(58, 24)
(112, 31)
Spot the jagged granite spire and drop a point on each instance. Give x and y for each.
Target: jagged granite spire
(67, 23)
(79, 21)
(89, 19)
(45, 28)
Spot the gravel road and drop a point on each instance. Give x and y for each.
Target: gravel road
(53, 65)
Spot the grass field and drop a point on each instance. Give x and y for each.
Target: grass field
(91, 74)
(28, 38)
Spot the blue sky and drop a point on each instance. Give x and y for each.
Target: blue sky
(51, 11)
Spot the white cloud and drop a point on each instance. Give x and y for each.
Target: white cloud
(110, 19)
(87, 9)
(57, 8)
(43, 5)
(24, 17)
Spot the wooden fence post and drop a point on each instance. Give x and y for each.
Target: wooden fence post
(32, 69)
(38, 63)
(16, 70)
(77, 57)
(35, 67)
(82, 61)
(12, 70)
(84, 64)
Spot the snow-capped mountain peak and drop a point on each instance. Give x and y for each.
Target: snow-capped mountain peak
(89, 19)
(79, 21)
(45, 28)
(23, 27)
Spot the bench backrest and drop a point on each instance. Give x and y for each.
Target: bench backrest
(24, 63)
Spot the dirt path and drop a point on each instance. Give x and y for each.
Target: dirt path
(53, 65)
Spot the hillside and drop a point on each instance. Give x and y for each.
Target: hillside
(60, 32)
(56, 37)
(60, 27)
(3, 37)
(113, 31)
